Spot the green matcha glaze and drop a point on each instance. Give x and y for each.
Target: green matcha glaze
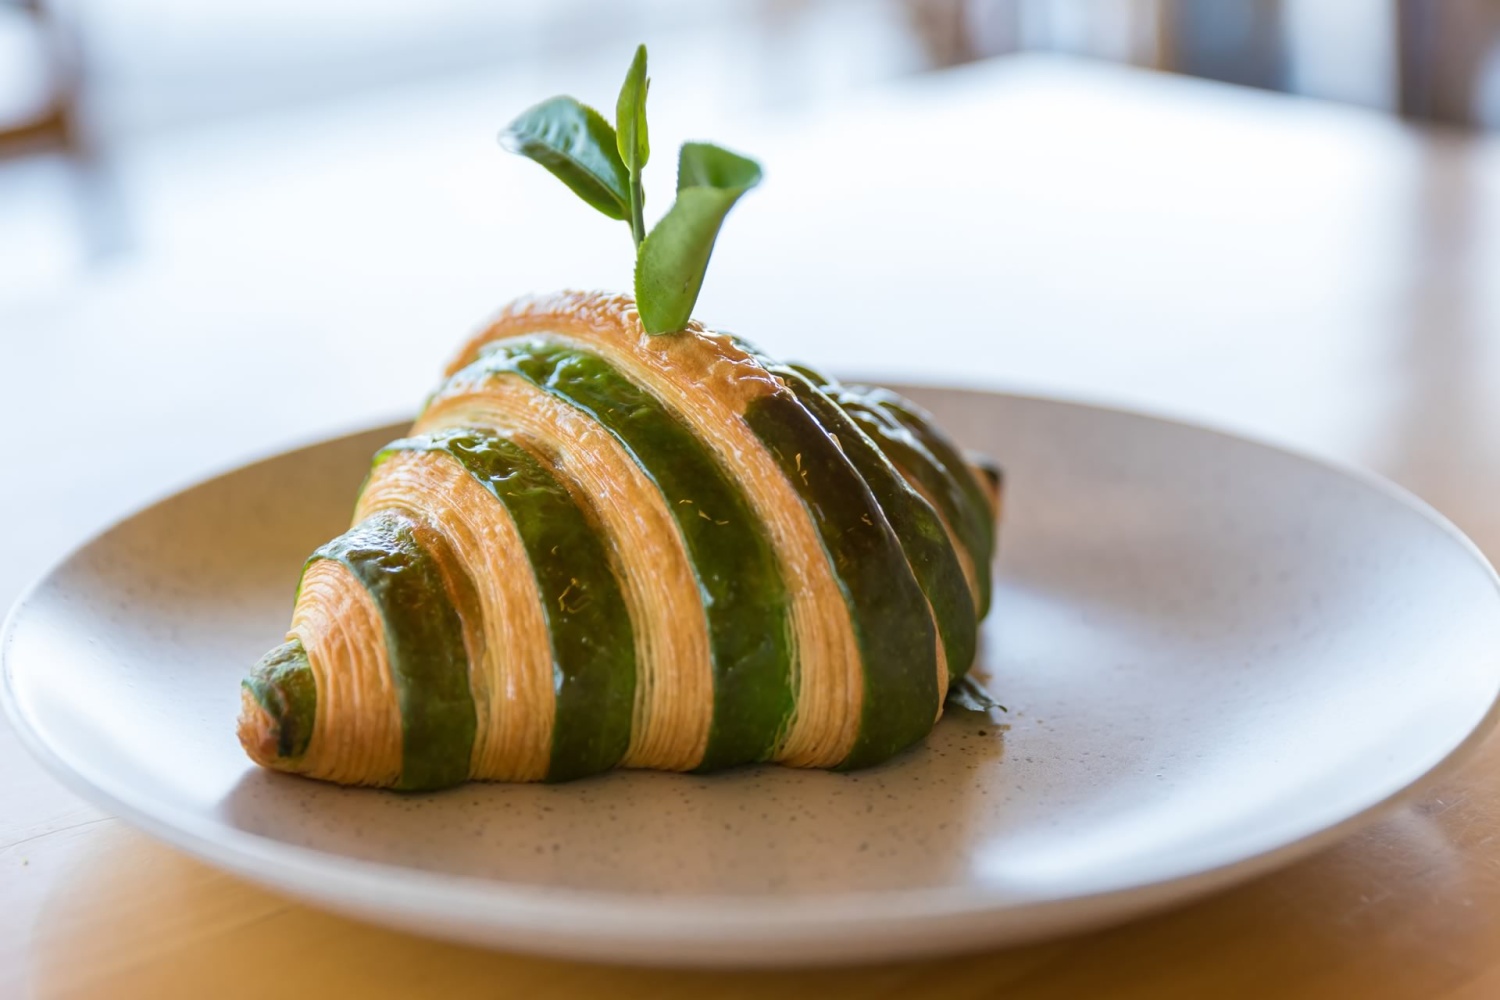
(282, 684)
(424, 642)
(897, 640)
(943, 448)
(917, 526)
(940, 450)
(744, 598)
(593, 644)
(953, 495)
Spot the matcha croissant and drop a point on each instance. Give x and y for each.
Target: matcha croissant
(598, 548)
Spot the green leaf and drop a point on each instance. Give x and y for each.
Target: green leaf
(968, 693)
(703, 164)
(671, 263)
(630, 130)
(630, 115)
(579, 147)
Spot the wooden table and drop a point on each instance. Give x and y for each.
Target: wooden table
(1311, 274)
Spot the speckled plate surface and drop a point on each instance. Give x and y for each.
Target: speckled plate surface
(1216, 657)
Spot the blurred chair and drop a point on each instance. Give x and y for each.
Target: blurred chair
(1437, 60)
(945, 29)
(1443, 50)
(52, 121)
(1236, 41)
(43, 133)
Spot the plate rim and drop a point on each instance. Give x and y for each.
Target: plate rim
(645, 928)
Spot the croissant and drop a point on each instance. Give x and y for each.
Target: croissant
(598, 548)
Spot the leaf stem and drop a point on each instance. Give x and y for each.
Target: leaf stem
(637, 208)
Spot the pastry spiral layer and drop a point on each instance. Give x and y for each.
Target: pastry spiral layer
(598, 548)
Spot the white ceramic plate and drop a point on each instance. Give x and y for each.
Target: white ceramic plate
(1216, 655)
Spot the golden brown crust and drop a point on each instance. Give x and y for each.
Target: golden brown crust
(697, 357)
(992, 490)
(505, 631)
(708, 380)
(942, 663)
(356, 737)
(257, 732)
(674, 680)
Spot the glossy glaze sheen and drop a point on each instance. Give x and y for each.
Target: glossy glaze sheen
(745, 599)
(946, 491)
(592, 648)
(424, 640)
(916, 524)
(892, 621)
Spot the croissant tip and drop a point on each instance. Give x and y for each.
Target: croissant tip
(278, 704)
(258, 732)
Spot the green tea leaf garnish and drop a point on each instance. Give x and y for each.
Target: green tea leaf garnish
(630, 128)
(967, 693)
(670, 266)
(603, 165)
(579, 147)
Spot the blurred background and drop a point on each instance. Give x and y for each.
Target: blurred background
(228, 227)
(87, 85)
